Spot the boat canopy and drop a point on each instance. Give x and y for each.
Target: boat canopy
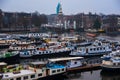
(64, 59)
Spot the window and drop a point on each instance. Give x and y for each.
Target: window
(11, 79)
(62, 69)
(25, 77)
(75, 62)
(18, 78)
(97, 48)
(53, 71)
(39, 52)
(58, 70)
(32, 76)
(40, 74)
(90, 49)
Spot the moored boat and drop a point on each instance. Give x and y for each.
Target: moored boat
(75, 64)
(35, 70)
(9, 56)
(112, 63)
(47, 50)
(96, 49)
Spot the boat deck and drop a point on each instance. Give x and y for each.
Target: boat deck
(17, 74)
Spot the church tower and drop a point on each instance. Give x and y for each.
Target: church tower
(59, 13)
(59, 9)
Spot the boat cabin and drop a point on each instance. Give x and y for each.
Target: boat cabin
(34, 71)
(69, 62)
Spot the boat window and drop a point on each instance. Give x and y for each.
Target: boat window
(18, 78)
(32, 76)
(114, 63)
(90, 49)
(104, 48)
(53, 71)
(75, 62)
(58, 70)
(40, 74)
(25, 77)
(97, 48)
(94, 49)
(62, 69)
(39, 52)
(11, 79)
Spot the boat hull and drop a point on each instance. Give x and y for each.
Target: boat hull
(11, 59)
(90, 55)
(110, 69)
(4, 46)
(50, 55)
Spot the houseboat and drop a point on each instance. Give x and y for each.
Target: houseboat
(96, 49)
(111, 65)
(111, 62)
(34, 71)
(75, 64)
(47, 50)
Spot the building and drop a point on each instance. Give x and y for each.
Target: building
(21, 22)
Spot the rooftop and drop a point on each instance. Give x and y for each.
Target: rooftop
(64, 59)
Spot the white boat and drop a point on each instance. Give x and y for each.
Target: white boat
(96, 49)
(51, 50)
(111, 62)
(27, 53)
(110, 55)
(111, 65)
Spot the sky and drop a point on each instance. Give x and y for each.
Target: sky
(68, 6)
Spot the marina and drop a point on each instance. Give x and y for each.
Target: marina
(59, 40)
(53, 58)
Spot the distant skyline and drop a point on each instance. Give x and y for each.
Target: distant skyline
(68, 6)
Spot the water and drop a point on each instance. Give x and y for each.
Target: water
(89, 75)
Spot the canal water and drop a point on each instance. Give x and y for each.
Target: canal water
(93, 75)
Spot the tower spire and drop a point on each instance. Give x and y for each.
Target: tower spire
(59, 9)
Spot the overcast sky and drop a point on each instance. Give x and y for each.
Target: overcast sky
(69, 6)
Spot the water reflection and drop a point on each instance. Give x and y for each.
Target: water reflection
(110, 76)
(88, 75)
